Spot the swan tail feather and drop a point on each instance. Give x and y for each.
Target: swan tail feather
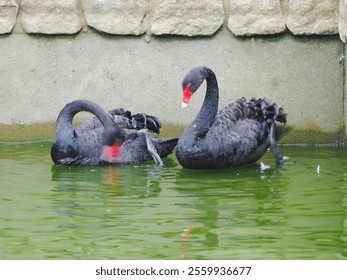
(269, 113)
(266, 111)
(141, 121)
(138, 121)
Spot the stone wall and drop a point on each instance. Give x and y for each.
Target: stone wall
(177, 17)
(52, 52)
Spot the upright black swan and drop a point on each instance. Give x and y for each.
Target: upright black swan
(237, 134)
(110, 137)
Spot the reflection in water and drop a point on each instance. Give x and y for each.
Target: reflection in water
(142, 181)
(240, 205)
(344, 223)
(111, 178)
(274, 209)
(145, 212)
(186, 238)
(99, 186)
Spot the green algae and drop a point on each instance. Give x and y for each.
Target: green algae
(287, 134)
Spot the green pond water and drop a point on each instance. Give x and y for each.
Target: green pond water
(295, 211)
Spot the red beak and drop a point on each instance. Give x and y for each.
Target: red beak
(187, 94)
(112, 153)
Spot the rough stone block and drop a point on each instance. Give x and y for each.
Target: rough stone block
(116, 17)
(187, 17)
(249, 17)
(307, 17)
(50, 16)
(342, 22)
(8, 15)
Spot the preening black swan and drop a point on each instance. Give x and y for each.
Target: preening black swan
(111, 137)
(239, 133)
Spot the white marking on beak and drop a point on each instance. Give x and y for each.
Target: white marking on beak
(184, 105)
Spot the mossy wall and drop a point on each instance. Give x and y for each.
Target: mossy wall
(134, 65)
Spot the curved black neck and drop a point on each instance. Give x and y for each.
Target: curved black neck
(209, 108)
(64, 123)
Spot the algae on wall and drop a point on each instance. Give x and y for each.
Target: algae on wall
(41, 73)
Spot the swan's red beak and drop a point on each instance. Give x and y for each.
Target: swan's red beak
(112, 153)
(187, 94)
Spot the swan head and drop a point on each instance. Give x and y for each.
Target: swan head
(191, 82)
(111, 150)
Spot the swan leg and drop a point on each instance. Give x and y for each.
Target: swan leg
(273, 144)
(151, 149)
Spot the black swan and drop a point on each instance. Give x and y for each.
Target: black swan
(237, 134)
(111, 137)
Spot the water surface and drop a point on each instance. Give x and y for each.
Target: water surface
(296, 211)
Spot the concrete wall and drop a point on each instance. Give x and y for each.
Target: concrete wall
(40, 73)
